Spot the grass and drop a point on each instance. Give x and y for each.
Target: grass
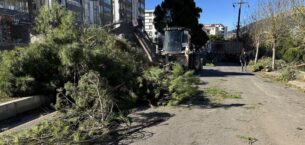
(271, 78)
(250, 140)
(219, 94)
(209, 64)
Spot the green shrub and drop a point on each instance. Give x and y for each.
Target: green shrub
(287, 74)
(29, 71)
(7, 65)
(293, 55)
(261, 64)
(155, 83)
(49, 65)
(178, 84)
(182, 85)
(280, 64)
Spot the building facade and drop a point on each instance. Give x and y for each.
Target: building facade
(149, 24)
(91, 12)
(215, 29)
(14, 22)
(106, 12)
(16, 16)
(73, 5)
(138, 9)
(128, 10)
(122, 10)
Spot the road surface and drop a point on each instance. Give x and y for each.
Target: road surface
(268, 114)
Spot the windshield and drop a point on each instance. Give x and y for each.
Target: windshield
(173, 41)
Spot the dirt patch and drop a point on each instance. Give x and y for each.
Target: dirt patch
(298, 84)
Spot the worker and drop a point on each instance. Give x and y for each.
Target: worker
(187, 52)
(243, 60)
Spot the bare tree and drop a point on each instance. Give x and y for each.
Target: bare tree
(274, 14)
(256, 31)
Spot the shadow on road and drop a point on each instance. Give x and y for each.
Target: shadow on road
(136, 130)
(227, 64)
(24, 118)
(203, 102)
(217, 73)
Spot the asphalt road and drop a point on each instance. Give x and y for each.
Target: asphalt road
(26, 120)
(268, 114)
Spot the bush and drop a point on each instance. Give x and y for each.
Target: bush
(154, 81)
(177, 84)
(261, 64)
(293, 55)
(44, 67)
(287, 74)
(182, 85)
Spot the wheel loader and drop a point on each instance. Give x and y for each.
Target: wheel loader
(177, 48)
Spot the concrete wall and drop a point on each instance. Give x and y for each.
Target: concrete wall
(19, 106)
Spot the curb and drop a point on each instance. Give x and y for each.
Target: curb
(19, 106)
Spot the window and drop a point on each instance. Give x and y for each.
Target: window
(107, 2)
(1, 4)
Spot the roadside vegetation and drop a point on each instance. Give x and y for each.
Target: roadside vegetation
(95, 77)
(178, 85)
(284, 72)
(276, 31)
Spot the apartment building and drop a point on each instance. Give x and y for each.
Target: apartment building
(122, 10)
(16, 16)
(141, 8)
(106, 12)
(215, 29)
(149, 24)
(138, 9)
(14, 22)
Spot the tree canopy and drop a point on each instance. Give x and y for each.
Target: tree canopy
(184, 13)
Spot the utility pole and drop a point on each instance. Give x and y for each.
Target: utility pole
(240, 4)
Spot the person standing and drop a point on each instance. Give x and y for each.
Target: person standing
(243, 60)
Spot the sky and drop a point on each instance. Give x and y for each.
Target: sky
(216, 11)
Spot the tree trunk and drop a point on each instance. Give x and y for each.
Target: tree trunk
(257, 51)
(273, 56)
